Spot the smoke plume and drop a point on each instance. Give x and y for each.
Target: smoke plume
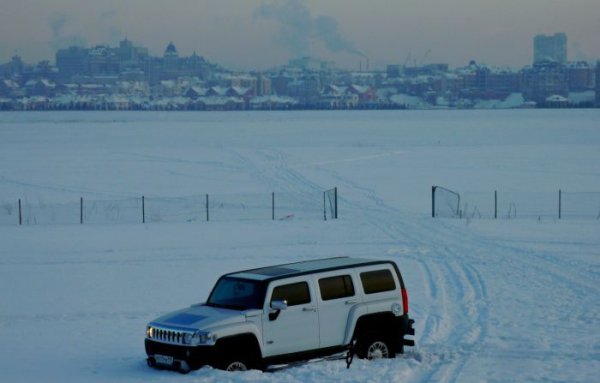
(298, 28)
(60, 39)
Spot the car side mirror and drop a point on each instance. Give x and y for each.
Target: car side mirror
(277, 306)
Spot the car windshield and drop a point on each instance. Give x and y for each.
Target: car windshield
(237, 294)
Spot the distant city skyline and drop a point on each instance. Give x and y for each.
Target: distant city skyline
(256, 34)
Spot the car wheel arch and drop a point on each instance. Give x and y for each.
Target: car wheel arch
(243, 346)
(377, 322)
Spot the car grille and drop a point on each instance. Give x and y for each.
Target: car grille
(195, 356)
(167, 336)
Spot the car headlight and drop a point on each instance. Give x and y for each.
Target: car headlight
(149, 332)
(200, 338)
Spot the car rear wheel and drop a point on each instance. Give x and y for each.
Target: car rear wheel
(374, 347)
(378, 350)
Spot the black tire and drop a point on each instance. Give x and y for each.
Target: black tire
(374, 346)
(235, 362)
(238, 354)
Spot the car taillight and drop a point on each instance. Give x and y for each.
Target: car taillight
(405, 300)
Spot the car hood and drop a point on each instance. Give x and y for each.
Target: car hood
(199, 317)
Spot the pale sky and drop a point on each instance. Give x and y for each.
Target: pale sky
(259, 34)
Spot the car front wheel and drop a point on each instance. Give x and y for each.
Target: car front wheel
(235, 365)
(235, 361)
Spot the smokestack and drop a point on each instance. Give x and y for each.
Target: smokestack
(367, 64)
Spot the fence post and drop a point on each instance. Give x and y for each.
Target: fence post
(495, 204)
(433, 201)
(207, 217)
(559, 204)
(273, 206)
(81, 210)
(20, 214)
(143, 209)
(325, 206)
(335, 201)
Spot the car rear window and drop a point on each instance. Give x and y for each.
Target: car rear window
(336, 287)
(294, 293)
(377, 281)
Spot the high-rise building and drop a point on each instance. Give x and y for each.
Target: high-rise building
(550, 48)
(130, 53)
(598, 83)
(101, 60)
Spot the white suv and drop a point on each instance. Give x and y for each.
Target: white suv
(285, 313)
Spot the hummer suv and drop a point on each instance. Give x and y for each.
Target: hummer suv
(285, 313)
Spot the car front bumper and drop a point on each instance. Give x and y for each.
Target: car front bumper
(184, 357)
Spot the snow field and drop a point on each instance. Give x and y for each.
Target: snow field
(493, 301)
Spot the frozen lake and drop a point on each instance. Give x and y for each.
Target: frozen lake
(495, 301)
(398, 154)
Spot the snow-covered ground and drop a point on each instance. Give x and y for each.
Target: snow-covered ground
(494, 301)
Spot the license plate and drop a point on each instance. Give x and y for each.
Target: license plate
(164, 359)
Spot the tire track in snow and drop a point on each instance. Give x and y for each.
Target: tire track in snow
(477, 315)
(534, 268)
(543, 262)
(452, 329)
(449, 283)
(446, 327)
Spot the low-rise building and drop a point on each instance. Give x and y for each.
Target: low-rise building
(543, 80)
(9, 88)
(580, 76)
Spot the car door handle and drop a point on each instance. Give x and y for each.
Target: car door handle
(351, 302)
(309, 309)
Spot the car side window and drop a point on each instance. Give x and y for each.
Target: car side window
(336, 287)
(294, 293)
(377, 281)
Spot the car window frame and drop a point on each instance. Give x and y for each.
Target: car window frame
(289, 283)
(377, 269)
(347, 275)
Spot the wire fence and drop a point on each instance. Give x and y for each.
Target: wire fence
(214, 207)
(511, 205)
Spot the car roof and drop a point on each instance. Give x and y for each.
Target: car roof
(306, 267)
